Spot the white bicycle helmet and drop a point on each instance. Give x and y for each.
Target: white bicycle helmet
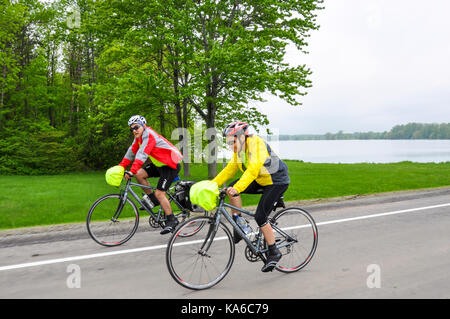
(137, 119)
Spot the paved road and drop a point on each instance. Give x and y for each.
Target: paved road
(409, 248)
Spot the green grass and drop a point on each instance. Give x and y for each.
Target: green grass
(45, 200)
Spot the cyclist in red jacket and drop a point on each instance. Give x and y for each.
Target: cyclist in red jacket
(164, 163)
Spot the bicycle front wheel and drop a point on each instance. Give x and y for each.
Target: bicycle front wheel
(296, 236)
(204, 258)
(112, 221)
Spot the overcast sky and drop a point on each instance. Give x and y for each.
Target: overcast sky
(376, 64)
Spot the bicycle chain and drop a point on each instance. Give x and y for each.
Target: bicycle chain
(153, 223)
(251, 257)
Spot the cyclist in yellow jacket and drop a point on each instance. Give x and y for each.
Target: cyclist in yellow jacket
(263, 173)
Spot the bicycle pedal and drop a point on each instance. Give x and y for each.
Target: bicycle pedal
(268, 268)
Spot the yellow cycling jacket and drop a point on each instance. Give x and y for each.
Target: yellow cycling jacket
(259, 163)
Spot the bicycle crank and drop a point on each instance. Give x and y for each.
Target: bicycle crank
(251, 257)
(153, 223)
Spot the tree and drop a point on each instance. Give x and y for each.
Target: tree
(141, 40)
(236, 54)
(11, 22)
(77, 69)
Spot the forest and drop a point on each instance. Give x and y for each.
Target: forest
(399, 132)
(72, 72)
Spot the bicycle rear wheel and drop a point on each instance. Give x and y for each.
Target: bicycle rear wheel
(297, 236)
(111, 221)
(204, 258)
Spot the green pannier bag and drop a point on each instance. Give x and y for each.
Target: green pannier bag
(114, 175)
(204, 194)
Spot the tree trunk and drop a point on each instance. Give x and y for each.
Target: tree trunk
(181, 113)
(162, 122)
(75, 68)
(210, 125)
(212, 141)
(50, 80)
(3, 93)
(186, 161)
(183, 138)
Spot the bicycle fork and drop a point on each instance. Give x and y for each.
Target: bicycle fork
(203, 251)
(123, 199)
(212, 230)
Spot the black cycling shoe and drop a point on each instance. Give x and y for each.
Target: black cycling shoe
(272, 260)
(236, 237)
(170, 226)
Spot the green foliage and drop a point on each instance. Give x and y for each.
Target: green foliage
(76, 70)
(404, 132)
(420, 131)
(11, 22)
(30, 148)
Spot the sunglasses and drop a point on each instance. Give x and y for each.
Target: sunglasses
(135, 128)
(230, 143)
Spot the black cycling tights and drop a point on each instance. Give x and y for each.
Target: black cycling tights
(270, 194)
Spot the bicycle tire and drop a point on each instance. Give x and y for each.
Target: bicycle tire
(101, 226)
(186, 263)
(300, 225)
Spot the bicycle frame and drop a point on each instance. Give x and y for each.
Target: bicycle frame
(128, 189)
(254, 248)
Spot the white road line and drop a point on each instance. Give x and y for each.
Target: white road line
(62, 260)
(127, 251)
(372, 216)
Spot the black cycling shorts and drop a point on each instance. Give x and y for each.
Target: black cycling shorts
(270, 194)
(165, 173)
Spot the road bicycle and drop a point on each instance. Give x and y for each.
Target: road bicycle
(114, 218)
(204, 259)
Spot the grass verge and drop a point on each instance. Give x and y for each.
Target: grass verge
(46, 200)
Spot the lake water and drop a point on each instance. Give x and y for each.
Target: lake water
(360, 151)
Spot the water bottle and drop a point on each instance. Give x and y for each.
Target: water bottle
(147, 201)
(243, 224)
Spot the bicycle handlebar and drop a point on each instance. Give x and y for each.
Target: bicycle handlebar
(223, 193)
(129, 173)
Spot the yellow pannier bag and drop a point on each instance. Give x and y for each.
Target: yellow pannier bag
(204, 194)
(114, 175)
